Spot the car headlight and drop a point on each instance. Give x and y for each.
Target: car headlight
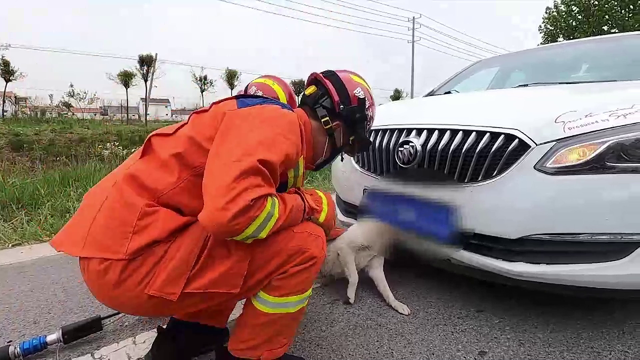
(610, 151)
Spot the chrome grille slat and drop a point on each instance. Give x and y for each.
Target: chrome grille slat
(466, 147)
(372, 161)
(485, 140)
(432, 141)
(443, 143)
(392, 149)
(510, 149)
(491, 153)
(385, 153)
(379, 154)
(454, 145)
(466, 156)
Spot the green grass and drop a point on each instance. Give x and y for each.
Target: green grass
(47, 166)
(33, 207)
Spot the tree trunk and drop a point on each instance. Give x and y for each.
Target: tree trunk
(146, 103)
(202, 95)
(231, 91)
(4, 99)
(126, 91)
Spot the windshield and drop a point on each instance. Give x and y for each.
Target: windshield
(605, 59)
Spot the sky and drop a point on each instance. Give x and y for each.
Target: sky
(217, 34)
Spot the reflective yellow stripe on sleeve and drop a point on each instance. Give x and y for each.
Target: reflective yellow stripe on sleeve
(280, 305)
(296, 175)
(262, 225)
(325, 207)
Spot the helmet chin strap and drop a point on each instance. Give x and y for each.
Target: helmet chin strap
(336, 150)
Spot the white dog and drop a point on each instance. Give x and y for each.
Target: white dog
(363, 246)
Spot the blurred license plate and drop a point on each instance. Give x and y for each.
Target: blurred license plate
(425, 218)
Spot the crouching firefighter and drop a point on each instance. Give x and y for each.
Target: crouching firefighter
(212, 210)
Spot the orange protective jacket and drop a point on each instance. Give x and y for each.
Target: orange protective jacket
(221, 176)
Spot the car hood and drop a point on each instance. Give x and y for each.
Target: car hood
(543, 113)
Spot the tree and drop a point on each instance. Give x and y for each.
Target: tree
(203, 82)
(82, 98)
(298, 86)
(398, 94)
(126, 79)
(146, 68)
(8, 73)
(576, 19)
(65, 104)
(51, 99)
(231, 77)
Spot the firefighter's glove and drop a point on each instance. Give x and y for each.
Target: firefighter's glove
(319, 209)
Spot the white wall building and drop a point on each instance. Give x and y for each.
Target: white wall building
(9, 104)
(180, 114)
(159, 109)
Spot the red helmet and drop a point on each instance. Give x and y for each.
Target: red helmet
(240, 92)
(272, 87)
(347, 96)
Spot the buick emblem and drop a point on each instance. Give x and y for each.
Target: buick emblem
(409, 152)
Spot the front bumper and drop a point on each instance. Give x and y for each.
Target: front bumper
(524, 202)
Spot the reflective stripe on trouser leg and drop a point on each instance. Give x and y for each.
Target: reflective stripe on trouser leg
(280, 305)
(283, 269)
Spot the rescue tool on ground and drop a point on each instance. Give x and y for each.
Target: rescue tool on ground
(64, 336)
(213, 210)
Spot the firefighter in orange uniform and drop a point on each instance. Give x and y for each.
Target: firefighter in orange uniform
(212, 210)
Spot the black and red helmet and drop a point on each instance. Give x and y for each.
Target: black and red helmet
(345, 96)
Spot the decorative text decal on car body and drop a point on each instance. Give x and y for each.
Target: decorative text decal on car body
(593, 120)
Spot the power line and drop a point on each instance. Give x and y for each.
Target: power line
(330, 18)
(493, 52)
(451, 46)
(313, 22)
(438, 22)
(359, 8)
(446, 53)
(368, 8)
(131, 58)
(73, 52)
(292, 17)
(353, 16)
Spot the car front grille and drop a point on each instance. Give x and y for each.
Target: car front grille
(466, 156)
(550, 252)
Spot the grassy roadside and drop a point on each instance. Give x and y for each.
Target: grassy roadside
(47, 166)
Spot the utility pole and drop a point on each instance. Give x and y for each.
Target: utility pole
(413, 51)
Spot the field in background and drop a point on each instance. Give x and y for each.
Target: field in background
(46, 166)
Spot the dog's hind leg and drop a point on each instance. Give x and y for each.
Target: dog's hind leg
(375, 269)
(348, 260)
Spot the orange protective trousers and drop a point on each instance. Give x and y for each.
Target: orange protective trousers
(283, 265)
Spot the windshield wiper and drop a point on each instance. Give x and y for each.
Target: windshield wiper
(562, 83)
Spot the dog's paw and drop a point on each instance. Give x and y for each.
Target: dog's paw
(352, 298)
(401, 308)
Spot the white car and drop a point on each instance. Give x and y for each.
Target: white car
(544, 148)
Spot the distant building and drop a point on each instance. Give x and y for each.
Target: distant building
(120, 112)
(87, 113)
(180, 114)
(9, 104)
(47, 111)
(159, 109)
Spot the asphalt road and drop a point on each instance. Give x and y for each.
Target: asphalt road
(452, 317)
